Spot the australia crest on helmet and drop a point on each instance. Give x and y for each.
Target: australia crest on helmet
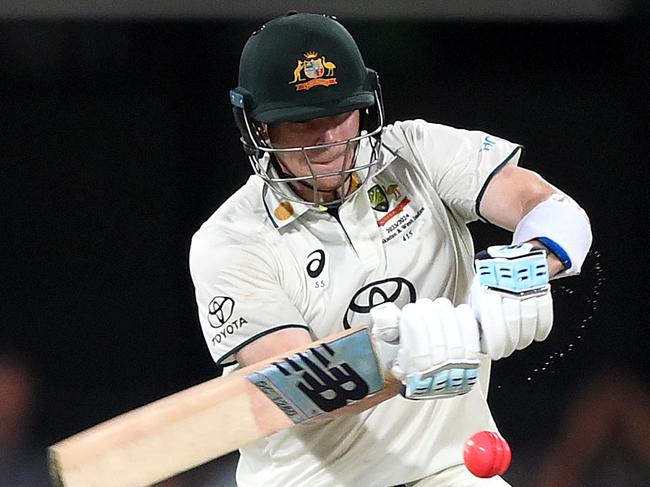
(313, 70)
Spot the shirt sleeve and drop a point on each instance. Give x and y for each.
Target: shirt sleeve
(459, 163)
(238, 295)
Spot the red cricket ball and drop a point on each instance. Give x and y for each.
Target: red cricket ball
(487, 454)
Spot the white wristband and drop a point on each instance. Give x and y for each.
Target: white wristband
(562, 226)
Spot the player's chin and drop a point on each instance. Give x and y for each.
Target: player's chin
(330, 183)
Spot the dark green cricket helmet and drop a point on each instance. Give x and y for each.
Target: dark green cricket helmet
(302, 66)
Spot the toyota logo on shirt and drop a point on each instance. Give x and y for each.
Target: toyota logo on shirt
(392, 290)
(220, 310)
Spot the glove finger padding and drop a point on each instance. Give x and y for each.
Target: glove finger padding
(511, 312)
(528, 327)
(454, 348)
(385, 328)
(469, 331)
(385, 322)
(495, 337)
(421, 337)
(544, 316)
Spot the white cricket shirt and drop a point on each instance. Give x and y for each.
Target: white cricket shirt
(260, 264)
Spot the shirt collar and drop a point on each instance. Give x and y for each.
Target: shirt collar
(281, 211)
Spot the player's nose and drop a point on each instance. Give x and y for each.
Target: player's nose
(326, 129)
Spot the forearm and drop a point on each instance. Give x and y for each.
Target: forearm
(273, 344)
(512, 194)
(535, 211)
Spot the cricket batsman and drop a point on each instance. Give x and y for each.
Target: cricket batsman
(349, 220)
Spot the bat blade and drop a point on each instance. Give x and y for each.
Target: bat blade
(204, 422)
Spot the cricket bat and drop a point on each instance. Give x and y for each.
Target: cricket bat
(339, 374)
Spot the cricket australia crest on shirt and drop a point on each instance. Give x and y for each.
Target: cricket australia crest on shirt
(395, 213)
(323, 378)
(378, 198)
(381, 198)
(314, 70)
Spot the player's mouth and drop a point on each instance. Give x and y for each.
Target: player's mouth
(330, 156)
(322, 161)
(334, 160)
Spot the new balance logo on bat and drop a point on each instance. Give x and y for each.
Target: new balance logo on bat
(322, 379)
(329, 388)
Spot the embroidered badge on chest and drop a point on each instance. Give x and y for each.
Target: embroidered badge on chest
(396, 214)
(382, 198)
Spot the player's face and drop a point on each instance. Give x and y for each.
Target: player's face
(333, 159)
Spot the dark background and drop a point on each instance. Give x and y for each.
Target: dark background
(116, 143)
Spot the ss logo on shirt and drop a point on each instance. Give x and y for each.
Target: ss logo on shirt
(317, 269)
